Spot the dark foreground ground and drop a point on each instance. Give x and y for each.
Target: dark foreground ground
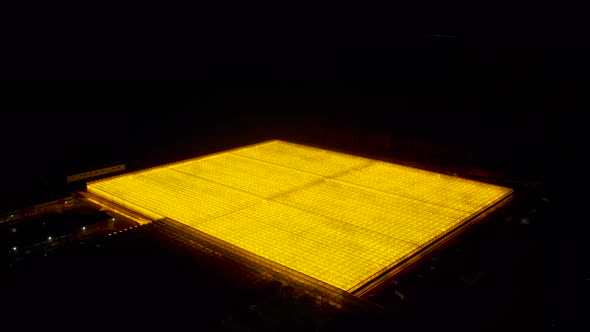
(495, 277)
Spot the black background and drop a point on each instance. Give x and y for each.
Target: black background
(508, 97)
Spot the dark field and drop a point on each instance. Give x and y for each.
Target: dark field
(518, 272)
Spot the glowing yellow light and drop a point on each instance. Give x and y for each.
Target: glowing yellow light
(338, 218)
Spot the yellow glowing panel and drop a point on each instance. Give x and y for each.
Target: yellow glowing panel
(338, 218)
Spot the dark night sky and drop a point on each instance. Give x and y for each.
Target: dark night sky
(503, 90)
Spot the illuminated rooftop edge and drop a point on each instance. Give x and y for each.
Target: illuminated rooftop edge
(338, 218)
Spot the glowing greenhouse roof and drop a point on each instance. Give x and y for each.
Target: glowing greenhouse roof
(338, 218)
